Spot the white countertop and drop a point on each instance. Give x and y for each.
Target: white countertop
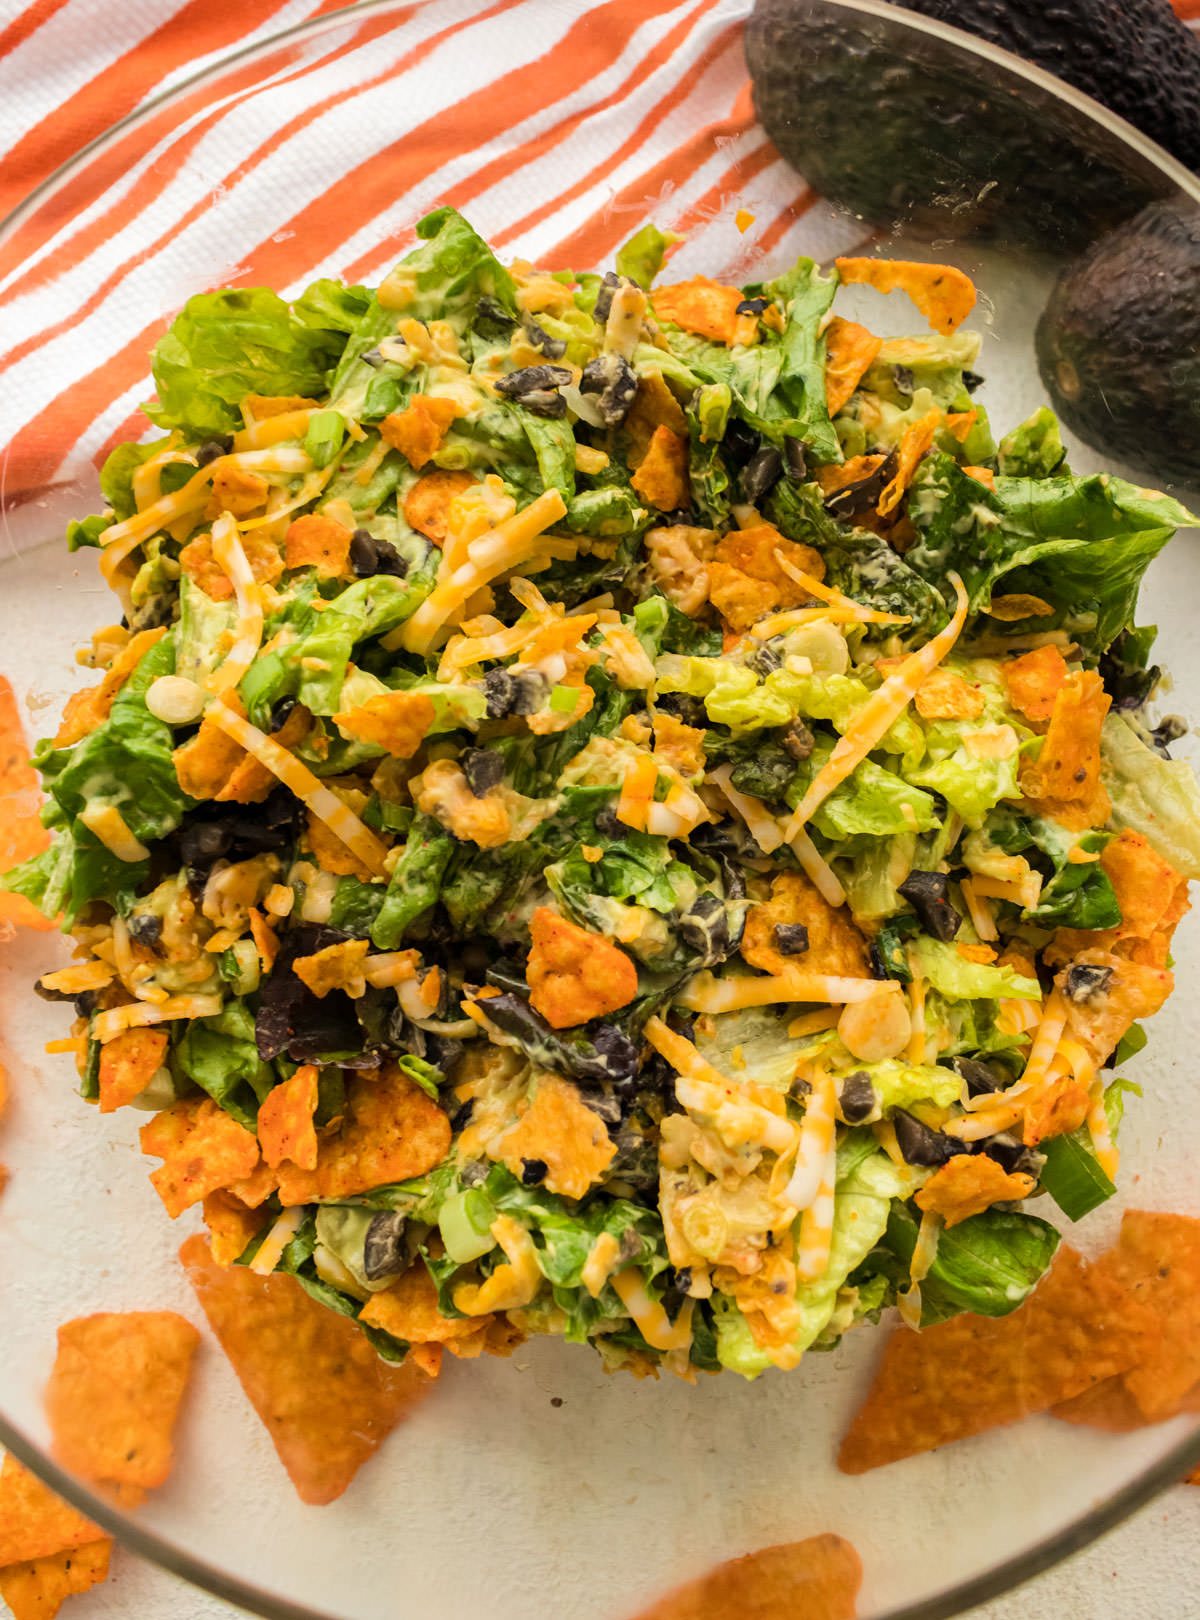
(1139, 1572)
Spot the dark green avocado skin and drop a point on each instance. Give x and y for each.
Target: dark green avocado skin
(1119, 344)
(1133, 56)
(910, 129)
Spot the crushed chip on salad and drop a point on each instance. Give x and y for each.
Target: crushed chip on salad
(606, 818)
(970, 1374)
(815, 1579)
(328, 1401)
(114, 1394)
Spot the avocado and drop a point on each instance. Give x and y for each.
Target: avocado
(921, 131)
(1133, 56)
(1119, 344)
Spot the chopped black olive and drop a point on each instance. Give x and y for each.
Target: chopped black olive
(483, 769)
(688, 709)
(203, 842)
(383, 1249)
(499, 689)
(751, 306)
(799, 740)
(372, 358)
(705, 929)
(1086, 983)
(614, 381)
(852, 500)
(1013, 1156)
(45, 992)
(145, 929)
(280, 711)
(618, 1051)
(926, 893)
(972, 380)
(543, 402)
(530, 378)
(857, 1098)
(791, 939)
(920, 1145)
(211, 449)
(530, 691)
(795, 459)
(1168, 730)
(604, 298)
(534, 1171)
(980, 1077)
(553, 348)
(903, 381)
(492, 320)
(762, 470)
(765, 659)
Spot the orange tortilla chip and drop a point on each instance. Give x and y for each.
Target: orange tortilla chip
(203, 1148)
(285, 1121)
(1157, 1258)
(408, 1309)
(662, 478)
(390, 1131)
(34, 1523)
(850, 350)
(21, 832)
(945, 695)
(1111, 1407)
(37, 1590)
(396, 721)
(1034, 681)
(968, 1184)
(574, 974)
(320, 543)
(419, 429)
(128, 1063)
(700, 305)
(427, 504)
(1135, 991)
(977, 1372)
(231, 1224)
(1145, 884)
(816, 1579)
(558, 1128)
(1068, 766)
(327, 1400)
(834, 943)
(115, 1392)
(917, 440)
(944, 295)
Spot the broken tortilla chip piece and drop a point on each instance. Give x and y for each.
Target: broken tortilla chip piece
(390, 1131)
(202, 1147)
(328, 1401)
(427, 504)
(944, 295)
(917, 440)
(114, 1394)
(396, 721)
(1111, 1407)
(408, 1309)
(816, 1579)
(1034, 681)
(285, 1121)
(1068, 766)
(34, 1523)
(977, 1372)
(574, 974)
(36, 1590)
(1157, 1258)
(21, 832)
(231, 1224)
(849, 351)
(701, 305)
(128, 1063)
(968, 1184)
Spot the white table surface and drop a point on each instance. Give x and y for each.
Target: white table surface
(1148, 1569)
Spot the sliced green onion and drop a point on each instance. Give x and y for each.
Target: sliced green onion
(564, 698)
(1073, 1176)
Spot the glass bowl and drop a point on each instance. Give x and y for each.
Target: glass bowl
(537, 1484)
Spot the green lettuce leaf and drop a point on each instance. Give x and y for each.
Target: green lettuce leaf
(221, 1056)
(415, 883)
(1154, 796)
(1035, 449)
(988, 1264)
(641, 258)
(116, 475)
(952, 975)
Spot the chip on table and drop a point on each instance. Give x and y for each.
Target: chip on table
(327, 1399)
(816, 1579)
(48, 1550)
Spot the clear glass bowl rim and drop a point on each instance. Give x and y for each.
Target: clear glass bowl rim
(1171, 1468)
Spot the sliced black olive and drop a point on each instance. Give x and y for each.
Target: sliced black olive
(852, 500)
(614, 381)
(903, 381)
(763, 469)
(530, 691)
(618, 1051)
(280, 711)
(688, 709)
(791, 939)
(383, 1249)
(764, 660)
(553, 348)
(491, 319)
(372, 358)
(534, 1171)
(211, 449)
(145, 929)
(926, 893)
(972, 380)
(604, 298)
(1168, 730)
(980, 1077)
(705, 929)
(543, 402)
(203, 842)
(531, 378)
(920, 1145)
(499, 689)
(799, 740)
(857, 1098)
(1086, 983)
(483, 769)
(795, 459)
(1013, 1156)
(751, 306)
